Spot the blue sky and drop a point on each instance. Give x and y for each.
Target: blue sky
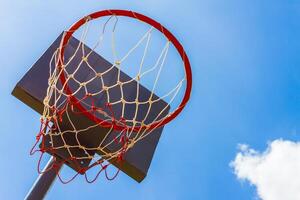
(246, 70)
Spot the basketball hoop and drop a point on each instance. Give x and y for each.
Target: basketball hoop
(127, 108)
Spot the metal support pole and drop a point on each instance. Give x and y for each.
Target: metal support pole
(43, 183)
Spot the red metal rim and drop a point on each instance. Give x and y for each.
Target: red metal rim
(159, 27)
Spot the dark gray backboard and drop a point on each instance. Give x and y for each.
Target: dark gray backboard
(31, 90)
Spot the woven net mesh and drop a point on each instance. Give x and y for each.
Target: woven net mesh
(101, 91)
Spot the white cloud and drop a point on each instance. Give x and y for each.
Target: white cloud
(275, 172)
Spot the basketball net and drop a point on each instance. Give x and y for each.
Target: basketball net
(68, 96)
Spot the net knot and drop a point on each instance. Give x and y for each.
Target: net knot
(94, 108)
(105, 88)
(54, 166)
(119, 83)
(82, 170)
(138, 77)
(104, 166)
(99, 161)
(46, 101)
(61, 66)
(48, 118)
(130, 143)
(71, 75)
(72, 158)
(42, 149)
(38, 137)
(88, 95)
(122, 120)
(88, 18)
(50, 81)
(120, 157)
(98, 74)
(83, 84)
(85, 58)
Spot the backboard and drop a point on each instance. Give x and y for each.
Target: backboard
(31, 90)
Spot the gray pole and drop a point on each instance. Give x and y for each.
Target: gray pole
(43, 183)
